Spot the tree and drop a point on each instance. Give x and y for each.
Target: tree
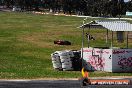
(129, 6)
(83, 7)
(114, 8)
(121, 7)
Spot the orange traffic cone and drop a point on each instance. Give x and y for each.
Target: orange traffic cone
(85, 75)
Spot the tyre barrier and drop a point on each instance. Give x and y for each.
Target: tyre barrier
(68, 69)
(65, 57)
(56, 61)
(70, 53)
(63, 53)
(66, 65)
(67, 60)
(55, 57)
(57, 65)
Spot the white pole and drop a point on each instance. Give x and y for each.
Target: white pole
(83, 40)
(107, 38)
(127, 39)
(112, 40)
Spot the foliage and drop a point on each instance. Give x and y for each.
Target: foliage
(81, 7)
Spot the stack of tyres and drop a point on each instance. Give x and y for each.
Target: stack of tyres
(76, 60)
(56, 61)
(65, 58)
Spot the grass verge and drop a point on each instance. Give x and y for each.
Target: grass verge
(26, 42)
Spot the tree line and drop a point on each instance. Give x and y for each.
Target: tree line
(82, 7)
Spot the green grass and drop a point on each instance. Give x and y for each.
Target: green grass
(26, 42)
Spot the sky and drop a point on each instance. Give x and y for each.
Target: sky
(126, 0)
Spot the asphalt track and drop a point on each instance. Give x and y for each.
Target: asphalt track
(52, 84)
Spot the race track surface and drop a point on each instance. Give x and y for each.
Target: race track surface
(53, 84)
